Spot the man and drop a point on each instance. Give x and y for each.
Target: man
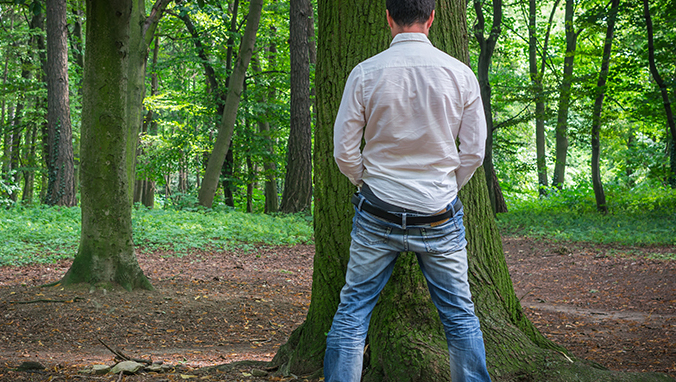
(420, 114)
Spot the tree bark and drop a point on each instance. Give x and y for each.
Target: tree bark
(405, 340)
(116, 45)
(487, 47)
(564, 99)
(227, 125)
(297, 195)
(663, 90)
(61, 184)
(597, 184)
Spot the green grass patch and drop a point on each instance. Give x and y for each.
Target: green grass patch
(48, 234)
(643, 216)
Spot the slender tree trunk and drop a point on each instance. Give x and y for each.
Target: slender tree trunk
(628, 162)
(538, 90)
(30, 161)
(61, 185)
(598, 106)
(250, 175)
(18, 124)
(487, 47)
(564, 99)
(269, 165)
(227, 125)
(17, 127)
(229, 164)
(145, 194)
(15, 159)
(75, 38)
(228, 173)
(76, 41)
(142, 33)
(297, 195)
(6, 118)
(663, 91)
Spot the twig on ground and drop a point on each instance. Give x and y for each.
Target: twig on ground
(260, 340)
(123, 356)
(525, 294)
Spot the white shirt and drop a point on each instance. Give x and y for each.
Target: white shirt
(411, 103)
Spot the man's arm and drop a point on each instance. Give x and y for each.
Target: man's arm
(472, 135)
(348, 129)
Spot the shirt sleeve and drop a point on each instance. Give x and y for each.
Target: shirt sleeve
(348, 129)
(472, 134)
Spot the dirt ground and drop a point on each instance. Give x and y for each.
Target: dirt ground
(607, 304)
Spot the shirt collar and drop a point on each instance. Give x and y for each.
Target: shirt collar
(410, 37)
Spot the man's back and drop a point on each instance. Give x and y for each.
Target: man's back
(415, 102)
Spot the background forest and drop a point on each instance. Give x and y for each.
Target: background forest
(540, 65)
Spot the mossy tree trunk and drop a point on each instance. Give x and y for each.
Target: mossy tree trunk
(406, 340)
(117, 37)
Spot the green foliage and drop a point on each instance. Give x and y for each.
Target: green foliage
(644, 215)
(182, 231)
(38, 234)
(48, 234)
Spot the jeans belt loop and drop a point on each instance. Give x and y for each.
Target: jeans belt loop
(403, 220)
(361, 201)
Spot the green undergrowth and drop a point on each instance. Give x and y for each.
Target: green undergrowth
(637, 217)
(47, 234)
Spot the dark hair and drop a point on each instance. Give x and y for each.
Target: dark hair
(408, 12)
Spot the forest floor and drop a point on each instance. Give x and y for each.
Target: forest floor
(608, 304)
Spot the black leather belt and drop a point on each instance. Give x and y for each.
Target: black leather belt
(402, 219)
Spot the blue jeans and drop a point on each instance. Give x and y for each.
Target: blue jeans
(442, 257)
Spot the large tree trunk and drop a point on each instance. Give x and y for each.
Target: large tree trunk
(598, 106)
(227, 125)
(406, 341)
(297, 195)
(106, 252)
(61, 186)
(564, 99)
(487, 47)
(663, 91)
